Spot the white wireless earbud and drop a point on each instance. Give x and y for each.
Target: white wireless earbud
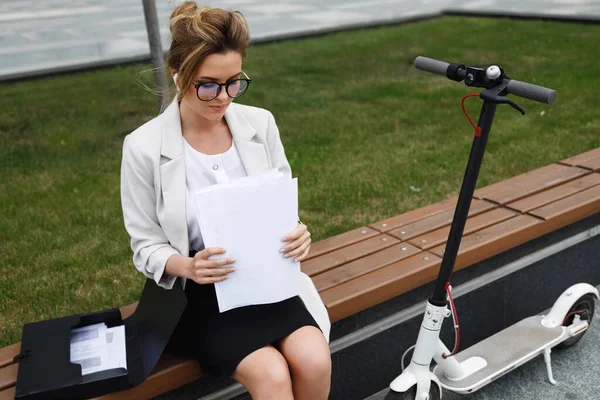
(175, 80)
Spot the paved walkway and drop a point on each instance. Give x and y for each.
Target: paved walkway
(44, 36)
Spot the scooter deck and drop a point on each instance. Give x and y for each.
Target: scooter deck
(503, 351)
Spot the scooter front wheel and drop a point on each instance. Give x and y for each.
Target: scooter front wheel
(585, 304)
(434, 394)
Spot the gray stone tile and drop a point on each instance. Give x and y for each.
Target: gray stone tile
(56, 22)
(331, 17)
(281, 8)
(13, 40)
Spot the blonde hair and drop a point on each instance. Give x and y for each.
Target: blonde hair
(198, 32)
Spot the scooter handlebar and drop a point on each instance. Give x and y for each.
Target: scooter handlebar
(431, 65)
(531, 92)
(518, 88)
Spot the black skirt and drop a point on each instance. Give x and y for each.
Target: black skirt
(219, 341)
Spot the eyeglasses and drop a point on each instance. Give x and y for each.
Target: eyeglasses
(210, 90)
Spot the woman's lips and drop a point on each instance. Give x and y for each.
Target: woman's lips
(219, 108)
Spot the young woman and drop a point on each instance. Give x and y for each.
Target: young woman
(277, 351)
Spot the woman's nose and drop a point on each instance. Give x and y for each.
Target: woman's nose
(223, 96)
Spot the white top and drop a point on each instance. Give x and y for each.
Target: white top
(203, 170)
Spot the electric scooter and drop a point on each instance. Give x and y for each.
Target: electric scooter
(491, 358)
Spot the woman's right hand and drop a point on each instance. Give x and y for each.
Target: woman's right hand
(204, 271)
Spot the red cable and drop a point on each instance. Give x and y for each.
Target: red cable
(571, 313)
(456, 326)
(477, 128)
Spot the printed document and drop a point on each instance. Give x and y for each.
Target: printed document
(98, 348)
(248, 217)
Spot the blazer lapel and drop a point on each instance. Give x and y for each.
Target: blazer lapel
(253, 154)
(172, 179)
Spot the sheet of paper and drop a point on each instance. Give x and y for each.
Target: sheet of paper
(98, 348)
(88, 347)
(249, 220)
(267, 176)
(115, 347)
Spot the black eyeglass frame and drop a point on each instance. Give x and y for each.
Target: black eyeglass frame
(226, 84)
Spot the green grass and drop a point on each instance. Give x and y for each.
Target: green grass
(359, 123)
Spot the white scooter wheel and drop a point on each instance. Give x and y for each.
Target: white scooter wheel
(434, 394)
(585, 304)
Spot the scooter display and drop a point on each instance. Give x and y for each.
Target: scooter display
(473, 368)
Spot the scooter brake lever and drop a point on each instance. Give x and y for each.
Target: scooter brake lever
(514, 105)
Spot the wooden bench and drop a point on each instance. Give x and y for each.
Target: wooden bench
(369, 265)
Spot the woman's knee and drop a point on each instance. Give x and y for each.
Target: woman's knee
(275, 373)
(264, 372)
(307, 353)
(314, 366)
(310, 369)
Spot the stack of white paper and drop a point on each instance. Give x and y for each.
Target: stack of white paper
(248, 217)
(98, 348)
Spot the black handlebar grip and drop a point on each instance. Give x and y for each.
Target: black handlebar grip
(531, 92)
(431, 65)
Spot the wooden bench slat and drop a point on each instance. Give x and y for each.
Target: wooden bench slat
(8, 394)
(8, 376)
(529, 183)
(349, 253)
(568, 216)
(526, 177)
(364, 265)
(127, 310)
(438, 220)
(493, 240)
(593, 164)
(414, 215)
(589, 159)
(181, 372)
(380, 285)
(554, 194)
(473, 224)
(8, 353)
(589, 197)
(339, 241)
(168, 359)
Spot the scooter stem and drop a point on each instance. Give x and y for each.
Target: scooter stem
(467, 189)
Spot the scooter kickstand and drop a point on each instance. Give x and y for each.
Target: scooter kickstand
(547, 352)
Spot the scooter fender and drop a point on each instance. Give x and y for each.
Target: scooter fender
(563, 304)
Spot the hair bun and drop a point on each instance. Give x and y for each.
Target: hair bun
(187, 25)
(185, 9)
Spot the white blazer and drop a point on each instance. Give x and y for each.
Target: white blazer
(153, 191)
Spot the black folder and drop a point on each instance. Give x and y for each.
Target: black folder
(45, 370)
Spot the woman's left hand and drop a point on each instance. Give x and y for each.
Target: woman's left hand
(299, 245)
